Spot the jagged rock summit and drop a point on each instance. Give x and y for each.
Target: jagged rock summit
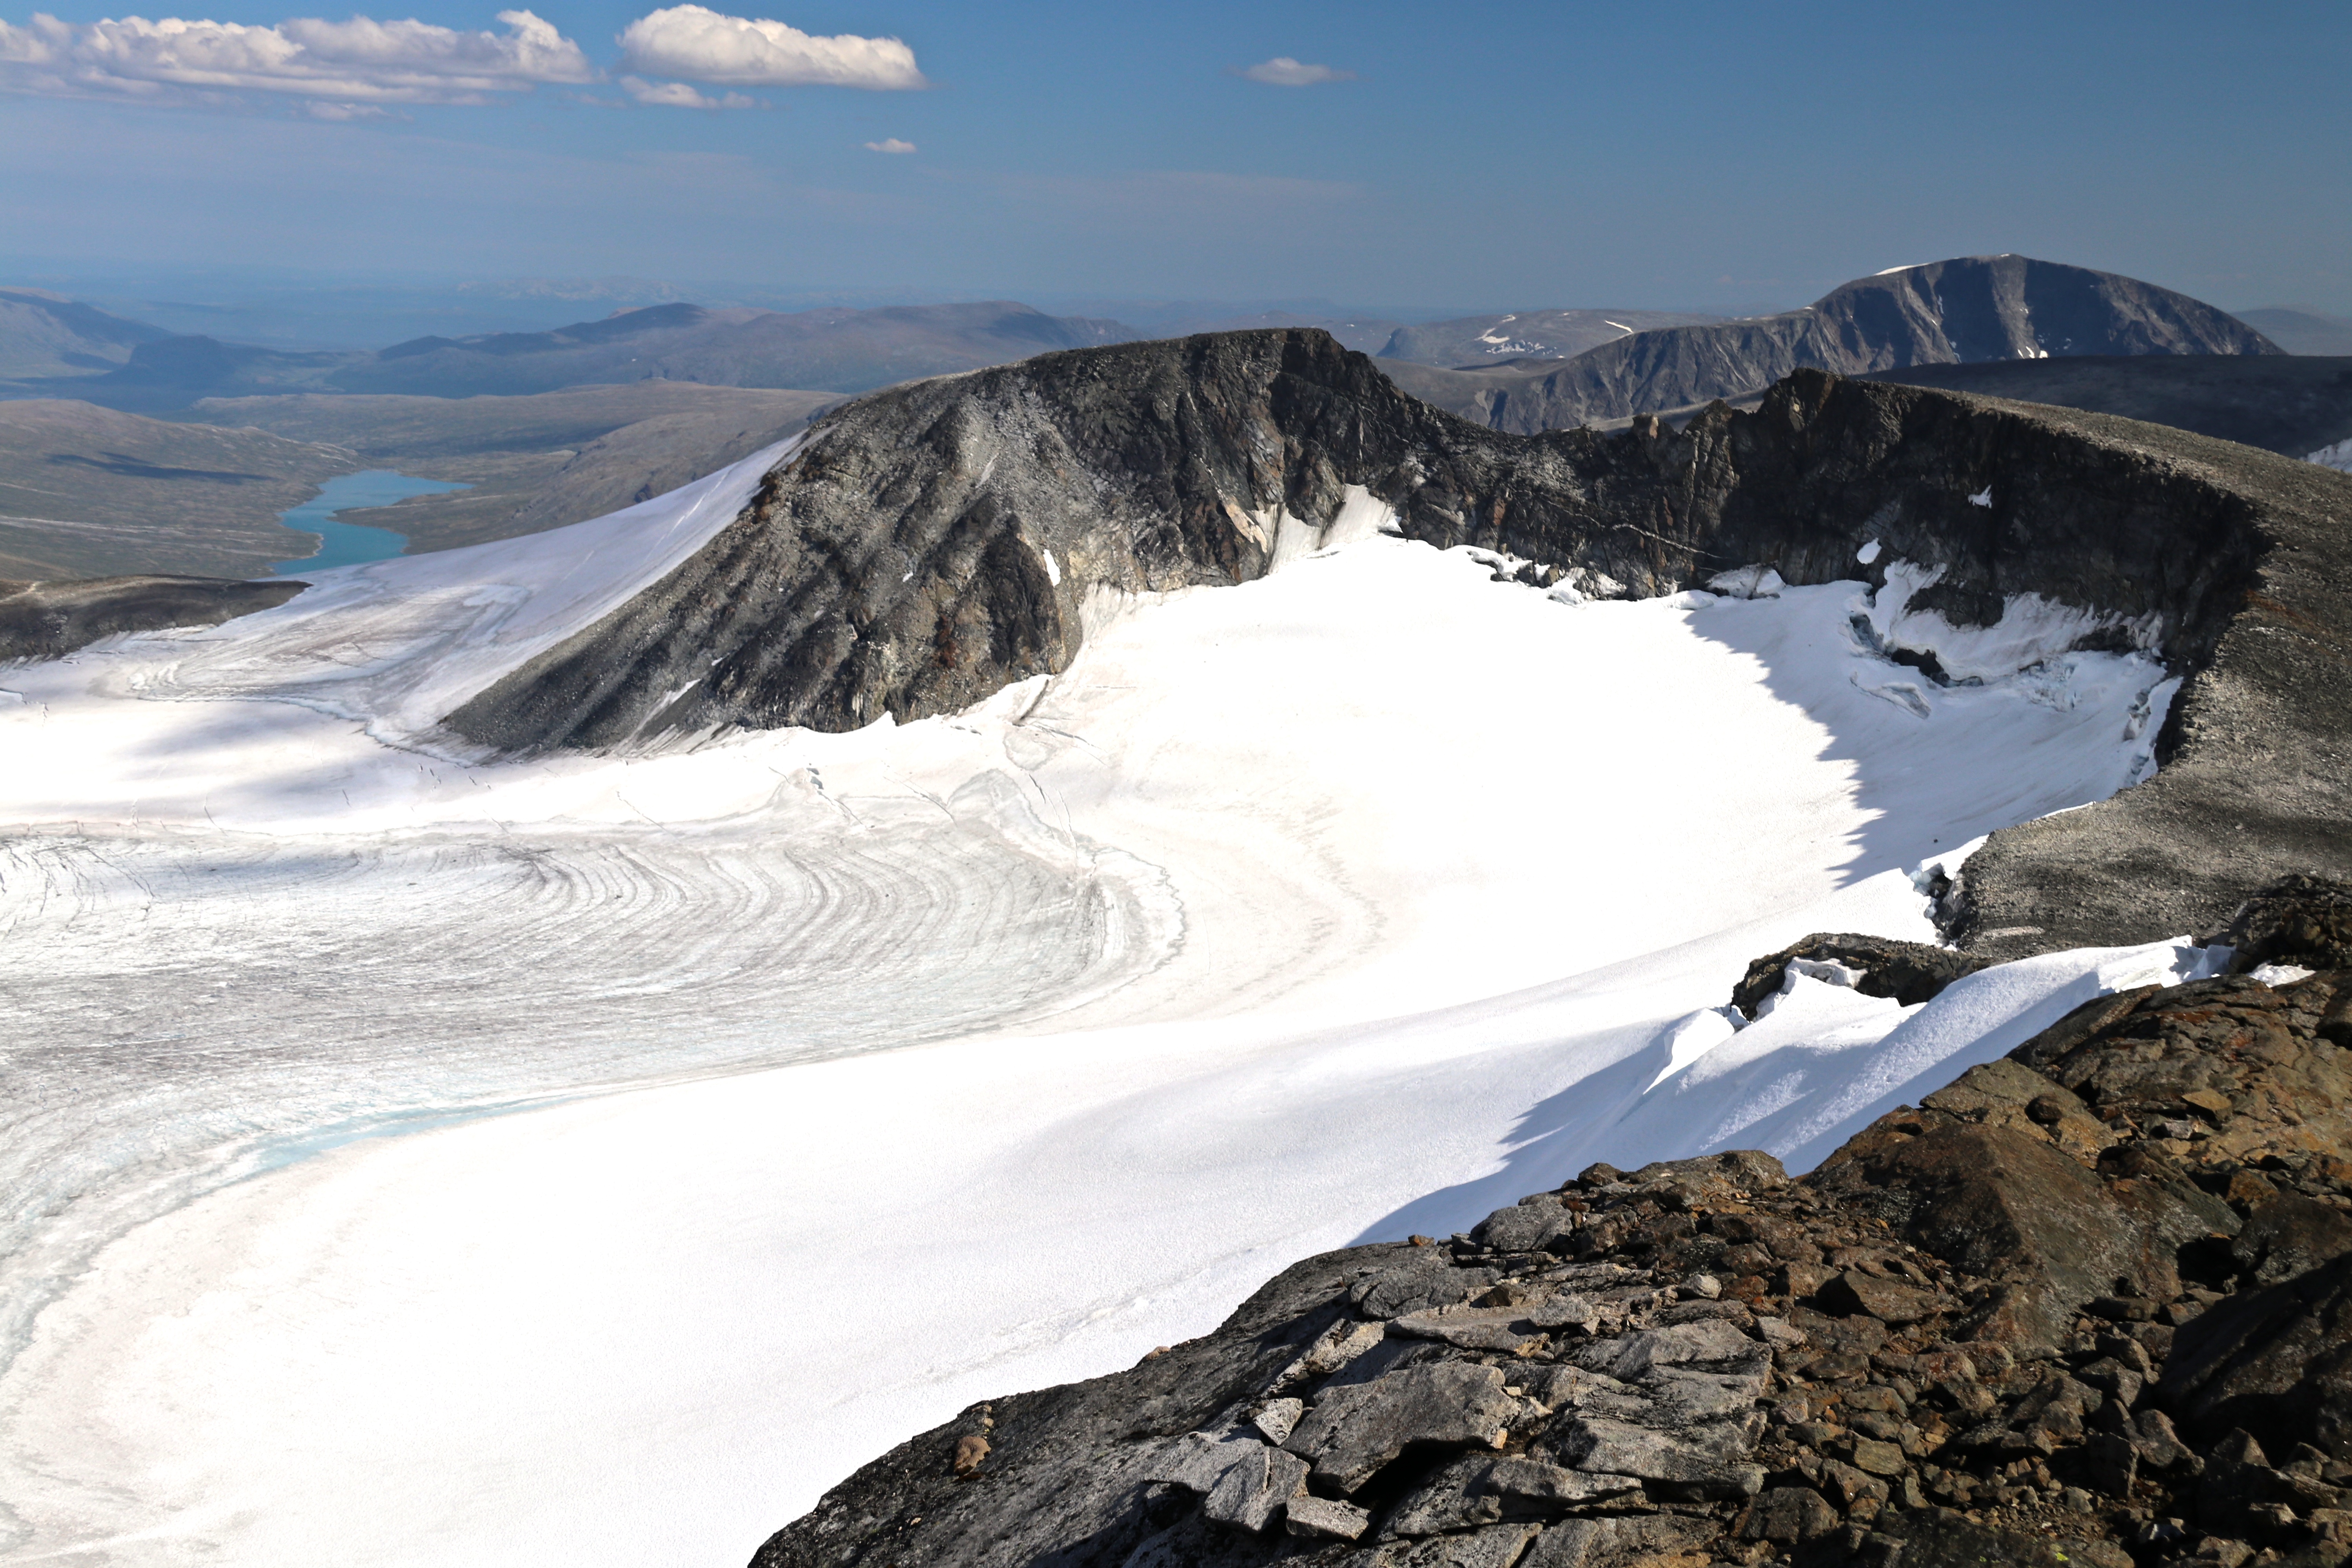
(2086, 1304)
(1968, 310)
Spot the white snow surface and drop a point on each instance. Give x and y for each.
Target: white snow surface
(2338, 455)
(412, 1159)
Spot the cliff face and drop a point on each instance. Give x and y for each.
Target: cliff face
(2084, 1304)
(937, 541)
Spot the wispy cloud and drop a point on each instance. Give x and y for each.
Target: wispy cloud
(889, 145)
(702, 44)
(358, 62)
(1283, 72)
(678, 95)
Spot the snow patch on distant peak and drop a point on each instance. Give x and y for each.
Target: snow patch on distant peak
(1053, 568)
(1867, 554)
(2338, 455)
(1982, 497)
(1891, 271)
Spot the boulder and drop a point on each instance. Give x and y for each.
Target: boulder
(1996, 1203)
(1788, 1515)
(1525, 1226)
(1350, 1434)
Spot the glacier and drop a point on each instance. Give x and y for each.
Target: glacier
(594, 1156)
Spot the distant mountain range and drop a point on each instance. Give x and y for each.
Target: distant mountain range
(1972, 309)
(839, 351)
(48, 335)
(547, 428)
(833, 349)
(1529, 370)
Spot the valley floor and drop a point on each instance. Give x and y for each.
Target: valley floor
(588, 1160)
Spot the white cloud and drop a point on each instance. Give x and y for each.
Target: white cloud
(1283, 72)
(889, 145)
(703, 45)
(678, 95)
(360, 61)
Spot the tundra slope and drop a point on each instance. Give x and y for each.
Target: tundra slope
(938, 541)
(1965, 309)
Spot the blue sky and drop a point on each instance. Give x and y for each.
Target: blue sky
(1482, 155)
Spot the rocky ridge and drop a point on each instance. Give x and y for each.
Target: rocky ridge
(2088, 1303)
(936, 542)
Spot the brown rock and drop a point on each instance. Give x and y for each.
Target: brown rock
(1799, 1281)
(1788, 1515)
(1881, 1299)
(1879, 1458)
(1993, 1202)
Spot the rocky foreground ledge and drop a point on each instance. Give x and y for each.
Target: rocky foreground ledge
(2088, 1304)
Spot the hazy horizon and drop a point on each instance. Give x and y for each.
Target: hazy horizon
(1382, 157)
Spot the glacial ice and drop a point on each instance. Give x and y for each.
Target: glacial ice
(599, 1155)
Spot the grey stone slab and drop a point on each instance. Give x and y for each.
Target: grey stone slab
(1328, 1517)
(1350, 1433)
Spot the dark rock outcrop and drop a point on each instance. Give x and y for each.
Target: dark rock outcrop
(49, 620)
(1909, 972)
(2033, 1320)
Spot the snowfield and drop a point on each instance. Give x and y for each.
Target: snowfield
(416, 1158)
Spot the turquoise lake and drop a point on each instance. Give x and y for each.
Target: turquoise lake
(349, 543)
